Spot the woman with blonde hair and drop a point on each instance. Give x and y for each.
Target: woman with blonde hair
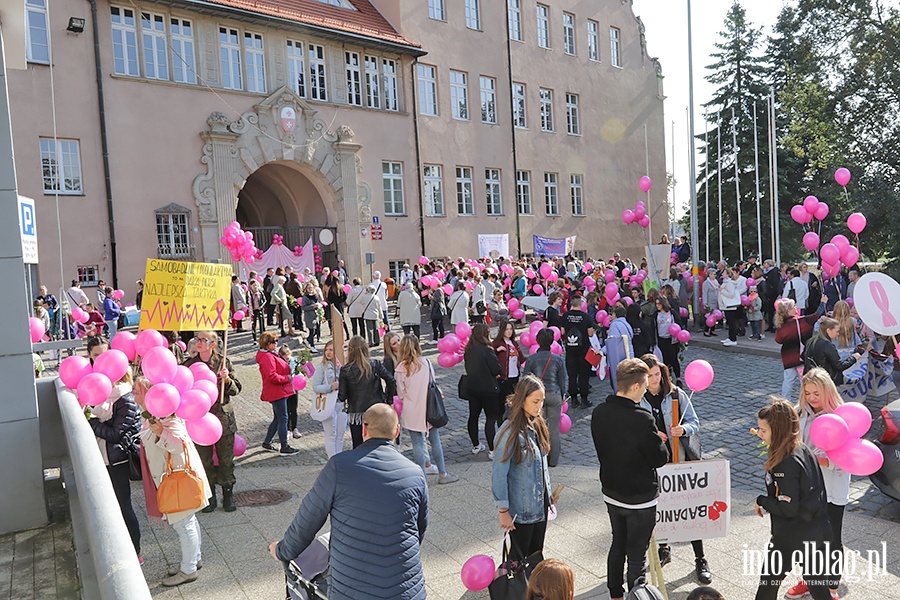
(359, 385)
(552, 579)
(848, 337)
(414, 374)
(792, 331)
(324, 382)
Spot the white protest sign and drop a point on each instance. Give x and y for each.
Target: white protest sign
(877, 300)
(493, 244)
(694, 501)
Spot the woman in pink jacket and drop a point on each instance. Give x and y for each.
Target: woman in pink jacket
(276, 388)
(413, 374)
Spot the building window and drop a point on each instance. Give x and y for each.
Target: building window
(230, 55)
(172, 235)
(296, 67)
(373, 83)
(459, 95)
(615, 50)
(523, 192)
(61, 166)
(492, 191)
(577, 194)
(546, 109)
(465, 203)
(389, 70)
(318, 88)
(518, 94)
(573, 125)
(543, 25)
(514, 15)
(354, 78)
(551, 194)
(436, 9)
(392, 179)
(488, 100)
(183, 62)
(88, 274)
(256, 62)
(395, 267)
(593, 36)
(153, 35)
(569, 33)
(473, 14)
(434, 191)
(427, 76)
(124, 38)
(37, 40)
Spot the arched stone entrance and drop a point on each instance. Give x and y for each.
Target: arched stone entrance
(282, 140)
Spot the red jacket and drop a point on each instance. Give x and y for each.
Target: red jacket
(501, 348)
(276, 376)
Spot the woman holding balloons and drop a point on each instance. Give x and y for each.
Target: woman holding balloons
(665, 338)
(792, 331)
(511, 358)
(275, 372)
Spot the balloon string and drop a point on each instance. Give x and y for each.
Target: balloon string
(684, 411)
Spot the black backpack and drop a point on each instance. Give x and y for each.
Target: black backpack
(644, 591)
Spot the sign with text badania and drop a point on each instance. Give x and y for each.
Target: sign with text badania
(694, 501)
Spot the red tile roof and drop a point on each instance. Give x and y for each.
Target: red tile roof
(364, 21)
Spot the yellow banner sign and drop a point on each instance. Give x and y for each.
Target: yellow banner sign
(185, 296)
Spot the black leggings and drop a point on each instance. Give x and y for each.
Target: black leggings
(669, 348)
(489, 404)
(437, 325)
(356, 434)
(118, 475)
(731, 319)
(292, 412)
(774, 571)
(836, 517)
(526, 539)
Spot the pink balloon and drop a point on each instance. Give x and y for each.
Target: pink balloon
(698, 375)
(463, 330)
(124, 342)
(611, 290)
(718, 314)
(646, 183)
(565, 407)
(628, 216)
(828, 432)
(811, 241)
(202, 371)
(745, 300)
(423, 260)
(811, 203)
(94, 389)
(240, 445)
(209, 388)
(447, 360)
(181, 345)
(710, 321)
(513, 304)
(206, 430)
(534, 349)
(644, 221)
(674, 328)
(159, 365)
(478, 572)
(347, 288)
(72, 369)
(565, 423)
(857, 417)
(856, 222)
(183, 380)
(78, 315)
(822, 211)
(858, 457)
(684, 312)
(851, 257)
(684, 336)
(526, 339)
(545, 270)
(629, 301)
(118, 294)
(535, 327)
(239, 315)
(798, 213)
(841, 242)
(553, 277)
(830, 253)
(556, 332)
(298, 382)
(148, 339)
(451, 343)
(194, 404)
(36, 326)
(447, 289)
(112, 363)
(555, 348)
(518, 314)
(162, 400)
(639, 213)
(842, 177)
(538, 289)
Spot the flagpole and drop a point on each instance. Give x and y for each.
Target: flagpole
(758, 196)
(695, 248)
(737, 184)
(706, 179)
(775, 179)
(719, 178)
(771, 177)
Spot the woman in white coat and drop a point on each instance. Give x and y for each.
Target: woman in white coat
(458, 305)
(162, 439)
(355, 307)
(409, 305)
(325, 381)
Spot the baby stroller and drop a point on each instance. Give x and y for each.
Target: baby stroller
(306, 575)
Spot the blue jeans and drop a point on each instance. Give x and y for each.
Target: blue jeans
(279, 422)
(420, 453)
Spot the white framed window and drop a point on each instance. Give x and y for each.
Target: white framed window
(37, 38)
(173, 235)
(546, 109)
(576, 192)
(395, 267)
(569, 33)
(389, 71)
(392, 180)
(318, 85)
(183, 61)
(338, 3)
(153, 37)
(551, 194)
(427, 80)
(256, 62)
(543, 25)
(61, 166)
(473, 14)
(230, 58)
(488, 100)
(615, 47)
(523, 192)
(124, 39)
(573, 123)
(459, 95)
(465, 203)
(514, 17)
(593, 39)
(354, 78)
(88, 274)
(436, 10)
(492, 192)
(519, 112)
(373, 82)
(296, 63)
(434, 190)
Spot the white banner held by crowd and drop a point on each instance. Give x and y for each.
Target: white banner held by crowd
(694, 501)
(493, 242)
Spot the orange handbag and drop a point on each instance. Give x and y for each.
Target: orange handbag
(181, 489)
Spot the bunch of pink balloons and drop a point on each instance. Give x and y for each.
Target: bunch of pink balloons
(453, 345)
(80, 315)
(423, 260)
(240, 243)
(810, 209)
(611, 291)
(637, 215)
(682, 335)
(118, 294)
(298, 251)
(713, 317)
(839, 433)
(838, 251)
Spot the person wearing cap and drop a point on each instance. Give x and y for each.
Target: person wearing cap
(406, 275)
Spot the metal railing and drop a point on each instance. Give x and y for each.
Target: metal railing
(167, 251)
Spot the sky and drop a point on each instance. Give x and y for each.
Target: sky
(666, 31)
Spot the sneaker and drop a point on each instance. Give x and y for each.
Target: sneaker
(287, 451)
(179, 578)
(761, 337)
(665, 555)
(729, 343)
(834, 595)
(269, 447)
(477, 449)
(490, 455)
(432, 470)
(141, 562)
(704, 575)
(798, 591)
(296, 433)
(448, 478)
(174, 570)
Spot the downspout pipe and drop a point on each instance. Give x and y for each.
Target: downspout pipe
(512, 128)
(104, 142)
(415, 111)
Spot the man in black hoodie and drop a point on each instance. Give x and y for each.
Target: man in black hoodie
(629, 449)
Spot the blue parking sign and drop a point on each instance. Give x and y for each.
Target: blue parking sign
(28, 228)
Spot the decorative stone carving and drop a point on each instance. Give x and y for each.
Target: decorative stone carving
(218, 122)
(344, 134)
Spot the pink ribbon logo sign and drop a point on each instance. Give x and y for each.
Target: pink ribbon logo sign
(882, 302)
